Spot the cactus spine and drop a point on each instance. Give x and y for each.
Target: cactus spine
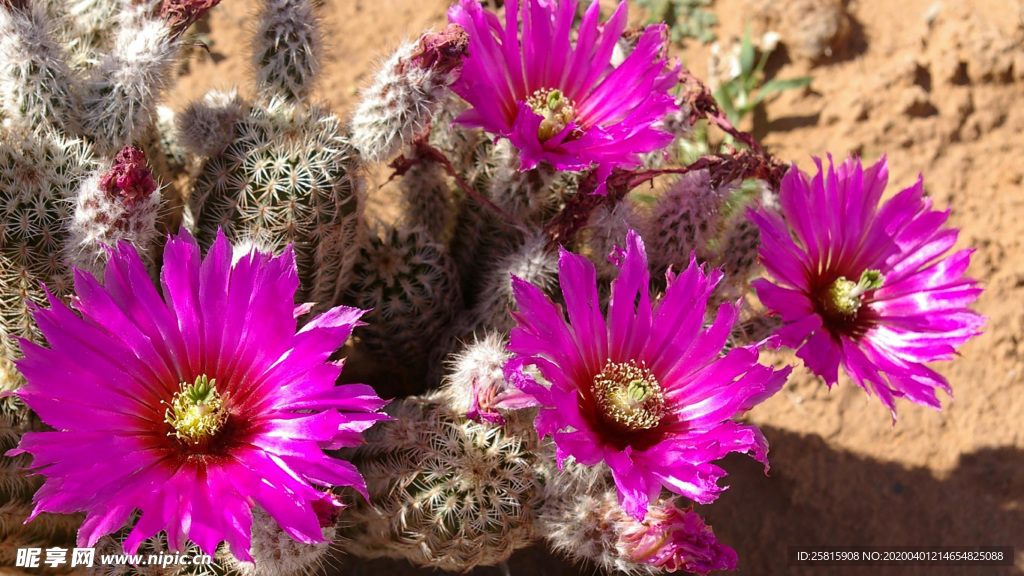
(445, 492)
(410, 283)
(406, 92)
(287, 175)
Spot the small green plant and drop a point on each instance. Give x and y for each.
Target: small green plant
(685, 18)
(740, 95)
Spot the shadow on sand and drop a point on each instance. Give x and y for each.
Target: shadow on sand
(817, 495)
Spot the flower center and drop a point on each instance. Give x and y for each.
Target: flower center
(843, 298)
(629, 396)
(197, 412)
(557, 110)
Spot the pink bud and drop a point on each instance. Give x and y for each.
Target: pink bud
(674, 539)
(443, 51)
(129, 178)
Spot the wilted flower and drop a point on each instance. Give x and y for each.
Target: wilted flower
(193, 407)
(562, 103)
(863, 285)
(673, 539)
(646, 391)
(129, 178)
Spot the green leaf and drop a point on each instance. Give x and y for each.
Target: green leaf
(746, 54)
(643, 199)
(775, 86)
(725, 98)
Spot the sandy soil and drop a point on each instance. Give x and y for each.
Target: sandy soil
(936, 86)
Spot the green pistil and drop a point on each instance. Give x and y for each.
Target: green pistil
(629, 396)
(844, 297)
(197, 412)
(557, 110)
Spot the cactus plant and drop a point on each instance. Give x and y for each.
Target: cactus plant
(409, 280)
(444, 491)
(514, 145)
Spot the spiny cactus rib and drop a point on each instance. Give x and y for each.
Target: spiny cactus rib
(446, 492)
(122, 92)
(17, 488)
(286, 178)
(287, 50)
(406, 92)
(275, 553)
(531, 196)
(534, 261)
(37, 88)
(427, 200)
(39, 176)
(607, 229)
(410, 283)
(684, 220)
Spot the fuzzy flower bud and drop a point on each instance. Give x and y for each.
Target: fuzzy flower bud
(443, 52)
(475, 385)
(673, 539)
(120, 204)
(406, 93)
(207, 127)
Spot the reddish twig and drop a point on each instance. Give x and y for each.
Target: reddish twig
(180, 14)
(424, 151)
(702, 104)
(724, 168)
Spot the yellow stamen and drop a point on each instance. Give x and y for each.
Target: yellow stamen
(197, 412)
(557, 110)
(629, 396)
(844, 297)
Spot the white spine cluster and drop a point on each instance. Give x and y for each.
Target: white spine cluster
(475, 375)
(37, 87)
(287, 50)
(405, 94)
(122, 92)
(207, 126)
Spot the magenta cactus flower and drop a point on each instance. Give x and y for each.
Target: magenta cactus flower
(866, 286)
(672, 538)
(561, 103)
(193, 407)
(646, 391)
